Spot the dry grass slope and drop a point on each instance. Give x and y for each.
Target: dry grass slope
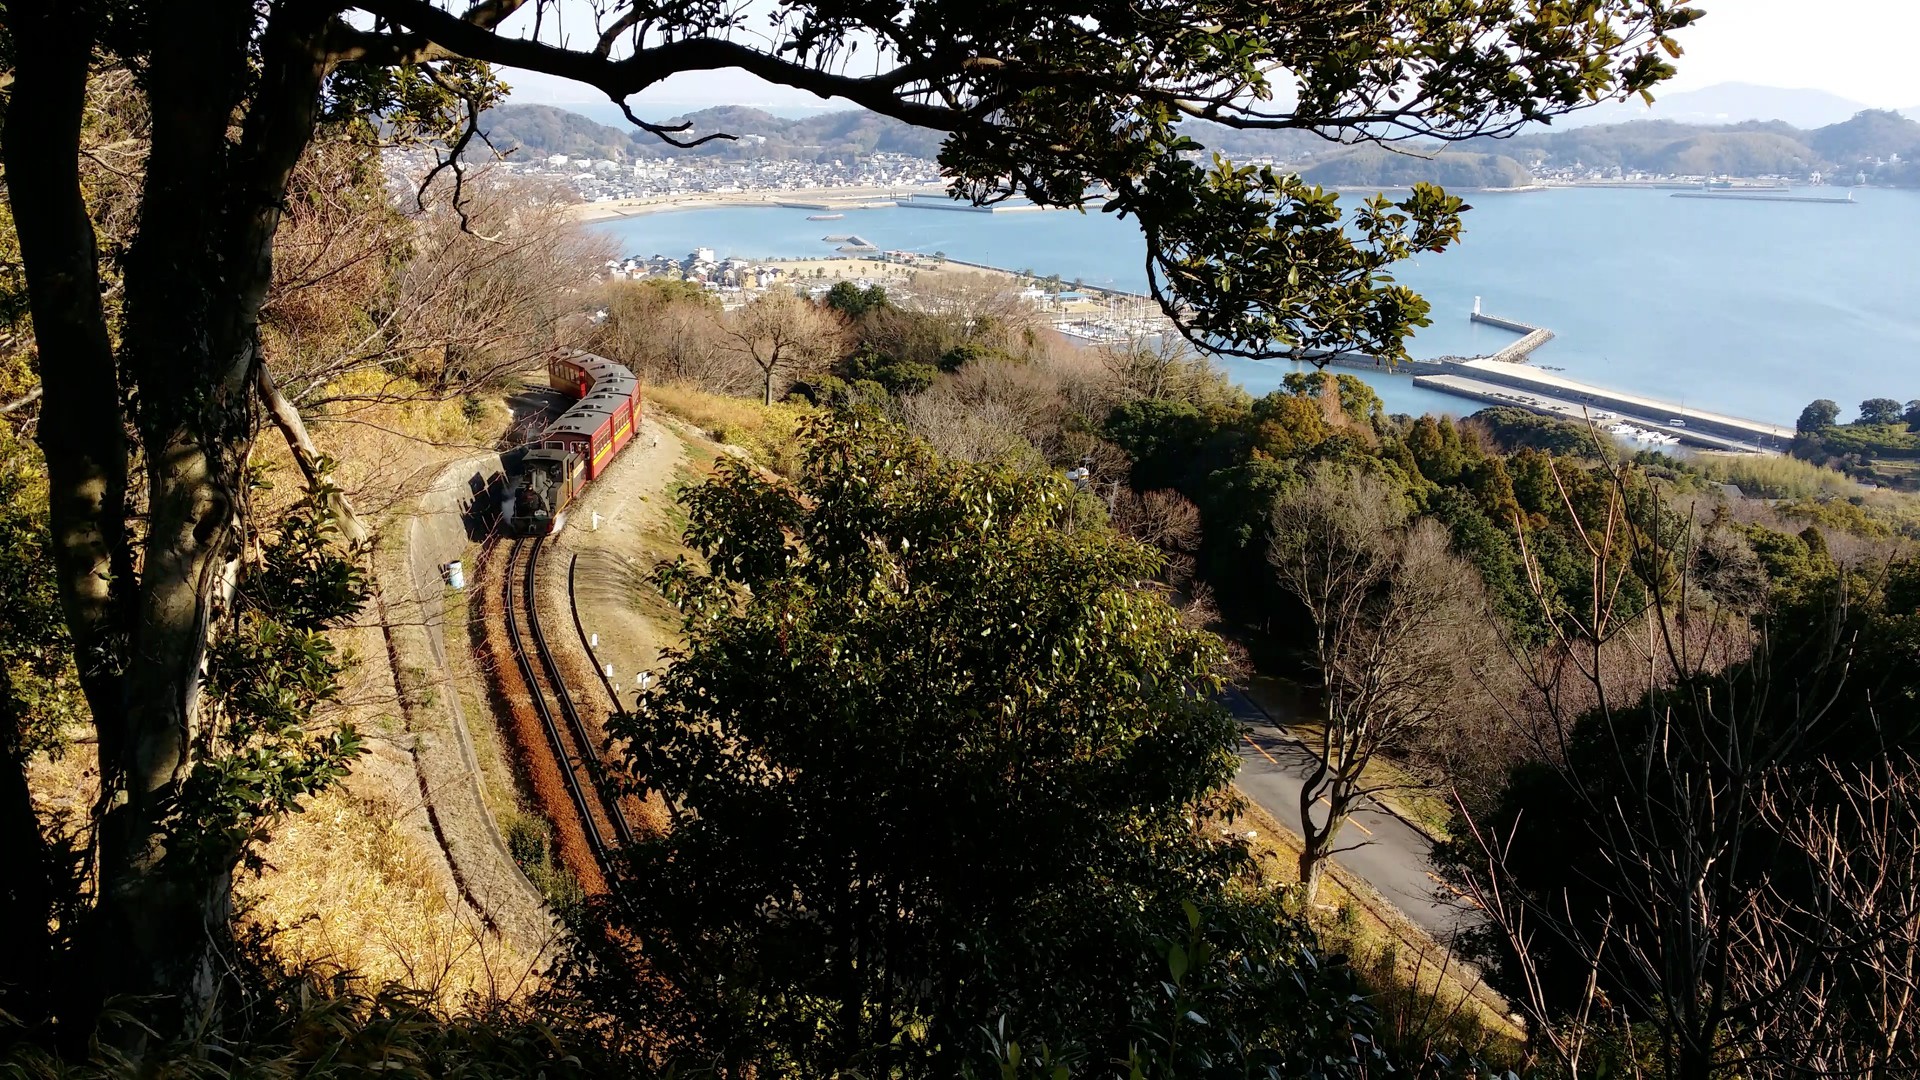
(1421, 993)
(348, 890)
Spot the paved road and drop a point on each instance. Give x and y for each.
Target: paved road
(1387, 853)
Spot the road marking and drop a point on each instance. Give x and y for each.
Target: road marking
(1262, 749)
(1351, 820)
(1323, 800)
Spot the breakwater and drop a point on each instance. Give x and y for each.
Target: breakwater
(1741, 196)
(1492, 381)
(1531, 336)
(1504, 379)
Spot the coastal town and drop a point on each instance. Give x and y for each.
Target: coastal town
(607, 181)
(1074, 309)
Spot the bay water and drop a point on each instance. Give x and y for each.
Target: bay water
(1747, 308)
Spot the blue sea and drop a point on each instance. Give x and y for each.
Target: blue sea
(1748, 308)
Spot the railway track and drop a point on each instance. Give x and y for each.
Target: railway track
(595, 805)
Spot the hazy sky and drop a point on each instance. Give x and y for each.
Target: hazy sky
(1858, 49)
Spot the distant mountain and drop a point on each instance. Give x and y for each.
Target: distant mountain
(1772, 148)
(1724, 103)
(1287, 144)
(1863, 143)
(1873, 134)
(1733, 103)
(524, 131)
(576, 130)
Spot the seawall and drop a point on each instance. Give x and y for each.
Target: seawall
(1556, 395)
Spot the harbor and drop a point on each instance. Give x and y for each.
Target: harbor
(1504, 378)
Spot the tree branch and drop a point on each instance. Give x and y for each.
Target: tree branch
(620, 79)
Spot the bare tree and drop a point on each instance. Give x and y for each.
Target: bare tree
(969, 431)
(1399, 627)
(1721, 852)
(1166, 519)
(784, 335)
(1149, 367)
(667, 332)
(370, 305)
(938, 313)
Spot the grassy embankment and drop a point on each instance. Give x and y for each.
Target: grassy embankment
(763, 434)
(1814, 494)
(1422, 993)
(357, 883)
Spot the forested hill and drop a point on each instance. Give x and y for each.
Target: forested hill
(539, 130)
(530, 130)
(1374, 165)
(1882, 145)
(1868, 143)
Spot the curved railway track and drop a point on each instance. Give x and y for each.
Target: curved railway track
(595, 805)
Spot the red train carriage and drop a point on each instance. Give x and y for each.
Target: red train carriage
(576, 448)
(567, 377)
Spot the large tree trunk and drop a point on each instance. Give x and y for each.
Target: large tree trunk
(194, 282)
(27, 888)
(1314, 840)
(1313, 862)
(82, 434)
(81, 430)
(196, 278)
(287, 418)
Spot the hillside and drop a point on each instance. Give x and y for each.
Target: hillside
(1750, 148)
(523, 131)
(1863, 145)
(538, 130)
(1871, 134)
(1733, 153)
(1372, 166)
